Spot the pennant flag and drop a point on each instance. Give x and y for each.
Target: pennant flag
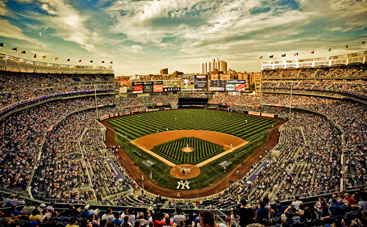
(111, 62)
(312, 52)
(261, 57)
(296, 54)
(271, 56)
(91, 61)
(102, 61)
(1, 44)
(346, 46)
(57, 58)
(329, 49)
(23, 52)
(283, 55)
(35, 56)
(15, 48)
(80, 60)
(68, 59)
(363, 42)
(44, 56)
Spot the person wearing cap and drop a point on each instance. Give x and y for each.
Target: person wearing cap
(245, 213)
(41, 207)
(86, 212)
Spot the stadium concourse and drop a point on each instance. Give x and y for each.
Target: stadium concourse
(54, 156)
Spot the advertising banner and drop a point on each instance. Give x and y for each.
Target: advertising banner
(171, 85)
(267, 115)
(157, 88)
(148, 88)
(230, 87)
(217, 89)
(236, 81)
(240, 87)
(254, 113)
(201, 83)
(138, 89)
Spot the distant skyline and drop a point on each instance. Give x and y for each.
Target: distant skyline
(143, 37)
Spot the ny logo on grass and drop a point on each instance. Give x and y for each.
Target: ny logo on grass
(183, 185)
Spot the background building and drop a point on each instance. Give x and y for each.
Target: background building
(214, 65)
(164, 71)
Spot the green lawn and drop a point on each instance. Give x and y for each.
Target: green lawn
(172, 150)
(250, 128)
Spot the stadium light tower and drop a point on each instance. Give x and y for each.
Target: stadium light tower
(95, 98)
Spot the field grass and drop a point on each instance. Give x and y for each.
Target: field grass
(250, 128)
(243, 126)
(172, 150)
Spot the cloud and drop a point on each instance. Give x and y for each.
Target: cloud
(3, 10)
(10, 31)
(136, 48)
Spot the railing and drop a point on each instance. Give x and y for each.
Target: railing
(357, 57)
(16, 64)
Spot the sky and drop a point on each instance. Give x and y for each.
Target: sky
(142, 37)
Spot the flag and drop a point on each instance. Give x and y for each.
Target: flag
(283, 55)
(312, 52)
(261, 57)
(271, 56)
(102, 61)
(57, 58)
(91, 61)
(44, 56)
(23, 52)
(80, 60)
(15, 48)
(329, 49)
(35, 56)
(68, 59)
(111, 62)
(296, 54)
(346, 46)
(363, 42)
(1, 44)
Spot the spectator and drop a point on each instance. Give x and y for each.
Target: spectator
(73, 222)
(246, 215)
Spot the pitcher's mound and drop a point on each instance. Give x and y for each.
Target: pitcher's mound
(185, 171)
(187, 149)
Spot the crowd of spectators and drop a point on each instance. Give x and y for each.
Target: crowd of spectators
(351, 71)
(239, 100)
(16, 87)
(22, 135)
(103, 179)
(355, 87)
(130, 101)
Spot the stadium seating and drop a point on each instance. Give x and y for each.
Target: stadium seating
(54, 150)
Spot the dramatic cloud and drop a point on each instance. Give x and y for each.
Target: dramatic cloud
(147, 35)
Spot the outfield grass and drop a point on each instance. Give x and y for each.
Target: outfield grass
(135, 126)
(202, 150)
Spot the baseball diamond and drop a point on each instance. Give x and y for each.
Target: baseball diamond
(143, 136)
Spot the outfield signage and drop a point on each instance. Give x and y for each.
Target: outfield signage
(171, 85)
(230, 87)
(188, 83)
(201, 83)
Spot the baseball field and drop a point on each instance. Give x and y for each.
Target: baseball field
(205, 143)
